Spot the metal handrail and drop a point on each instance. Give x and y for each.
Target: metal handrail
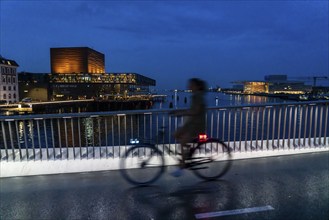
(105, 134)
(131, 112)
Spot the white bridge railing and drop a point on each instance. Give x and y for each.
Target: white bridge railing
(83, 136)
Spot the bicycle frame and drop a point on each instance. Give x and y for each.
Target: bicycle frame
(195, 161)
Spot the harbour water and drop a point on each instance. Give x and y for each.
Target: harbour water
(169, 99)
(213, 99)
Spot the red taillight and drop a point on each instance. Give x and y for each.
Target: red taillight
(202, 137)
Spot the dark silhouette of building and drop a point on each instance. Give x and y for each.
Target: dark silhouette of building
(34, 86)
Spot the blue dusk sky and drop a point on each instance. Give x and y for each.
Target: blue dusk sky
(171, 41)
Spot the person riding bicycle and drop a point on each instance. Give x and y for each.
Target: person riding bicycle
(196, 119)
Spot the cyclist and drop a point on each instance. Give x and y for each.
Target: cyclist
(196, 120)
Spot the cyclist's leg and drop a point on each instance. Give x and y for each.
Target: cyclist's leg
(183, 137)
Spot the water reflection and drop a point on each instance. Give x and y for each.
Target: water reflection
(88, 126)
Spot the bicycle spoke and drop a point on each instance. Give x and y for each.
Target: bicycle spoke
(142, 164)
(211, 160)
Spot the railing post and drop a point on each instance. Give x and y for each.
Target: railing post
(32, 138)
(279, 127)
(11, 139)
(4, 139)
(306, 124)
(18, 142)
(276, 123)
(315, 125)
(289, 127)
(59, 138)
(263, 122)
(320, 122)
(268, 127)
(326, 125)
(251, 127)
(257, 128)
(46, 137)
(39, 136)
(295, 124)
(240, 139)
(284, 126)
(273, 127)
(234, 129)
(310, 127)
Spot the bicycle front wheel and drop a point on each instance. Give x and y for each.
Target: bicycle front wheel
(142, 164)
(211, 159)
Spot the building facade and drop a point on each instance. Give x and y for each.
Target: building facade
(104, 86)
(9, 81)
(79, 73)
(76, 60)
(279, 84)
(275, 84)
(255, 87)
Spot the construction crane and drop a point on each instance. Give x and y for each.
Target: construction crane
(314, 78)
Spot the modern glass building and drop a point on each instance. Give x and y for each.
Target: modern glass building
(104, 86)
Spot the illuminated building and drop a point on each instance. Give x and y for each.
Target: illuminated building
(107, 85)
(255, 87)
(79, 73)
(9, 82)
(274, 84)
(279, 84)
(76, 60)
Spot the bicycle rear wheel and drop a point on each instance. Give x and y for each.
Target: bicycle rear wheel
(142, 164)
(211, 159)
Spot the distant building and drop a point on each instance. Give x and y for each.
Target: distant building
(274, 84)
(79, 73)
(255, 87)
(106, 86)
(279, 84)
(34, 86)
(9, 82)
(69, 60)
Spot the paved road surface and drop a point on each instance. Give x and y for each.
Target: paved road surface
(290, 187)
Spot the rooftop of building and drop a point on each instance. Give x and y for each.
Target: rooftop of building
(5, 61)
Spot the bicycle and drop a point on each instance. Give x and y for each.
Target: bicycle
(208, 158)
